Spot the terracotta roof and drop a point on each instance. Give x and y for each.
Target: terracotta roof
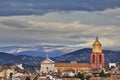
(1, 69)
(71, 79)
(4, 68)
(72, 64)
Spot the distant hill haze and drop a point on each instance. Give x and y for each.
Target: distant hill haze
(81, 55)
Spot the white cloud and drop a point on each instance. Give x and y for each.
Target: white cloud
(52, 31)
(118, 17)
(78, 28)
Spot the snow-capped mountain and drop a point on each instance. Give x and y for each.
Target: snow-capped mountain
(8, 48)
(41, 49)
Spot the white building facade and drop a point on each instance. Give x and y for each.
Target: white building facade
(47, 65)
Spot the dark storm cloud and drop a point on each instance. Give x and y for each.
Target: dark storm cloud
(39, 7)
(15, 24)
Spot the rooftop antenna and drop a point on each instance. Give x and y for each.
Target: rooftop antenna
(46, 55)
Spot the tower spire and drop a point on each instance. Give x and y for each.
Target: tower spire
(97, 38)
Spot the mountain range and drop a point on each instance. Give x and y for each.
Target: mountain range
(10, 59)
(81, 55)
(39, 49)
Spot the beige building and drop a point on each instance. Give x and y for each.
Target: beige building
(47, 65)
(6, 73)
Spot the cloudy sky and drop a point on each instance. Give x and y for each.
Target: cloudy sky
(64, 22)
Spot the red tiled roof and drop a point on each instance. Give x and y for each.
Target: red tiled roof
(71, 79)
(4, 68)
(72, 64)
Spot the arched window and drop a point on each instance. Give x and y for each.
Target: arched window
(100, 58)
(93, 60)
(46, 67)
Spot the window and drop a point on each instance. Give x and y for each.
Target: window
(100, 58)
(93, 60)
(46, 67)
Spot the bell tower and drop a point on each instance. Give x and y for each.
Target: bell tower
(97, 56)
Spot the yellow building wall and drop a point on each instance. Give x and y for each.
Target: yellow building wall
(73, 68)
(6, 73)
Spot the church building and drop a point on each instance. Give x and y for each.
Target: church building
(96, 60)
(47, 65)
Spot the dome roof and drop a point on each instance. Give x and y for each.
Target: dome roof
(97, 43)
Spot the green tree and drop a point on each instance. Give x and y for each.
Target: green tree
(102, 73)
(80, 75)
(88, 77)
